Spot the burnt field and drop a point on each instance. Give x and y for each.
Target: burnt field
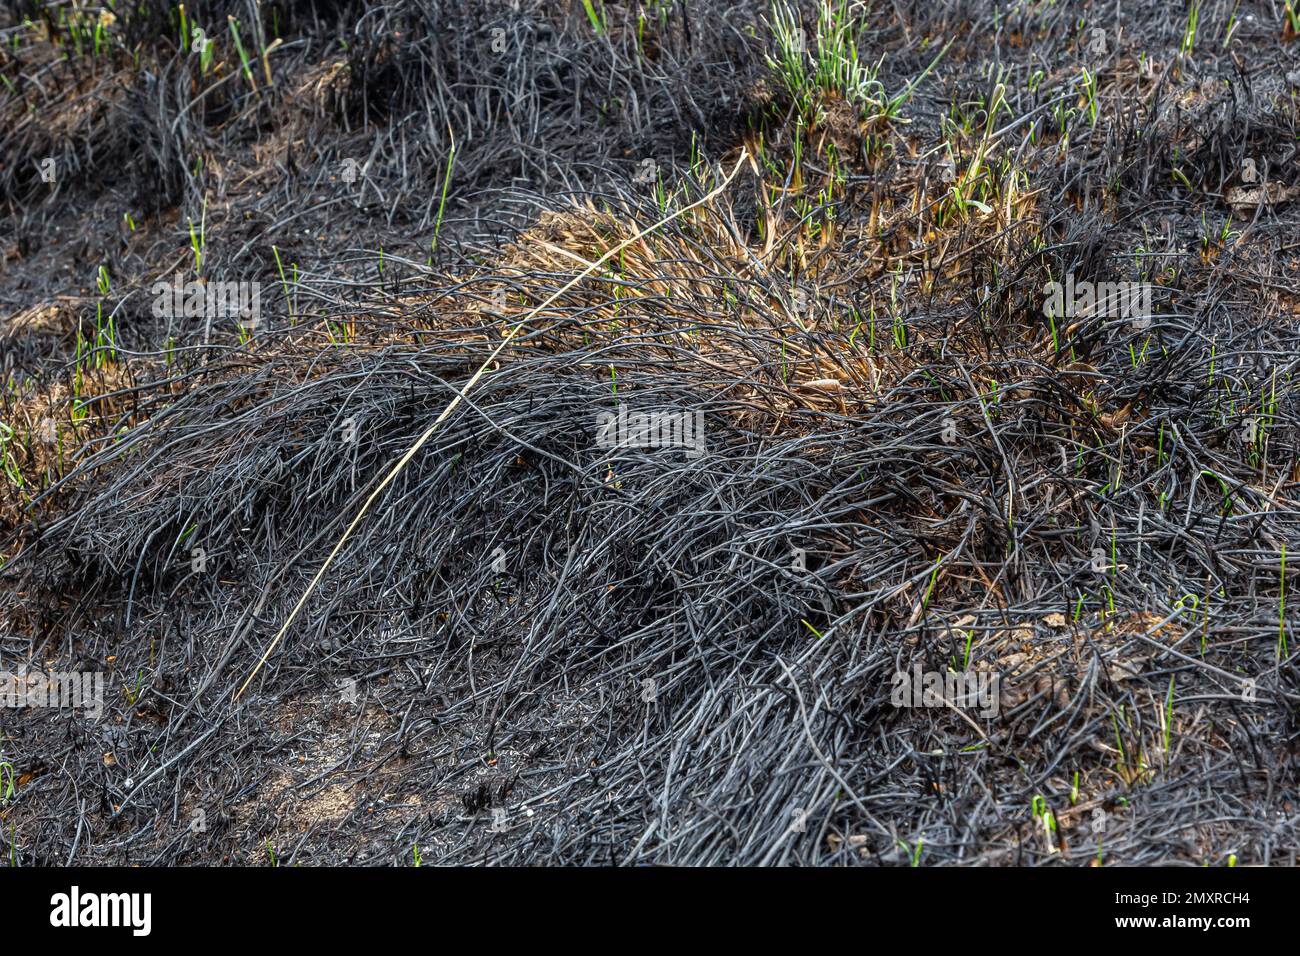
(636, 433)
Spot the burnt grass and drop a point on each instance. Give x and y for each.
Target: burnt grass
(535, 649)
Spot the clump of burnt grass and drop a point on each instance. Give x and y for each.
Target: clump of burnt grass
(544, 647)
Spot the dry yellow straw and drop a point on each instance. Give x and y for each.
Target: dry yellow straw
(419, 442)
